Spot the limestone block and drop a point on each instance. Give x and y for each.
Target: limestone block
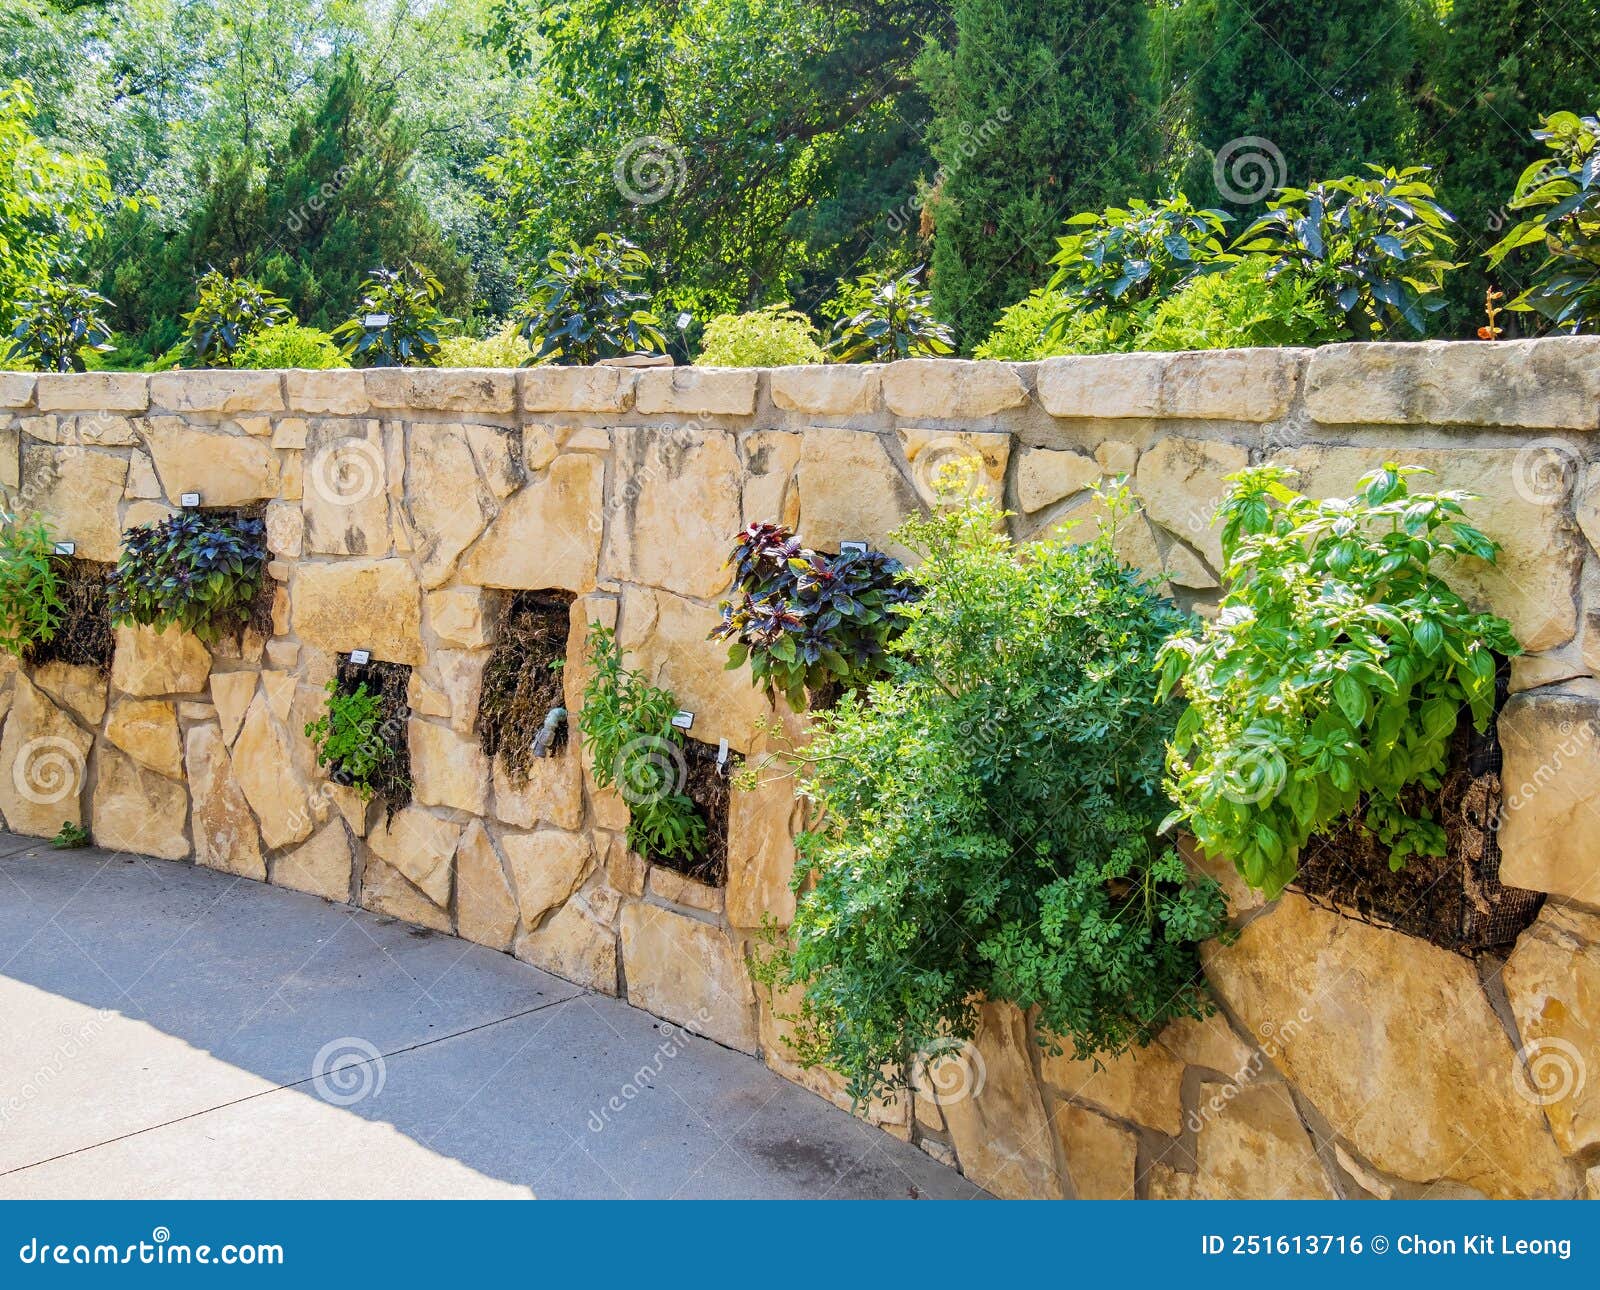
(92, 392)
(1552, 980)
(1232, 384)
(286, 529)
(289, 433)
(1142, 1085)
(675, 889)
(147, 730)
(574, 946)
(1182, 481)
(225, 834)
(223, 391)
(457, 617)
(940, 459)
(761, 827)
(1552, 383)
(78, 489)
(674, 509)
(576, 389)
(43, 763)
(142, 482)
(1533, 582)
(232, 692)
(102, 430)
(420, 846)
(455, 389)
(10, 457)
(711, 391)
(1432, 1096)
(344, 498)
(679, 968)
(770, 493)
(137, 811)
(993, 1109)
(1102, 385)
(486, 907)
(446, 502)
(360, 604)
(1548, 839)
(546, 868)
(460, 675)
(16, 389)
(547, 534)
(78, 688)
(1100, 1155)
(338, 392)
(447, 769)
(225, 469)
(851, 490)
(553, 793)
(267, 771)
(951, 389)
(321, 865)
(384, 890)
(829, 389)
(1046, 475)
(148, 662)
(1253, 1148)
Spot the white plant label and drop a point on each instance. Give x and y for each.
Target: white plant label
(683, 720)
(360, 657)
(66, 548)
(189, 500)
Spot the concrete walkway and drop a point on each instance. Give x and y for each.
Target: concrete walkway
(169, 1031)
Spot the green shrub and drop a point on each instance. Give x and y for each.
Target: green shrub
(882, 317)
(1372, 246)
(349, 738)
(58, 323)
(1332, 677)
(990, 817)
(1565, 191)
(505, 348)
(1242, 306)
(808, 621)
(227, 313)
(199, 570)
(30, 596)
(776, 336)
(627, 728)
(399, 320)
(589, 303)
(286, 346)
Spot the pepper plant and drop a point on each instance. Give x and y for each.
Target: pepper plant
(808, 621)
(199, 570)
(589, 303)
(228, 311)
(57, 323)
(399, 323)
(883, 317)
(1331, 680)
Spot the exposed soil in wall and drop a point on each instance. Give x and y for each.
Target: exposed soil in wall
(709, 791)
(1456, 900)
(522, 680)
(389, 683)
(84, 636)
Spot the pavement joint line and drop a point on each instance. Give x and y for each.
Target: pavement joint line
(267, 1092)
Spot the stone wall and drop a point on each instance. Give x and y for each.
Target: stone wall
(401, 506)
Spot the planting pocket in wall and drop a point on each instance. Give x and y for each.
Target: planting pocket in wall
(204, 570)
(82, 635)
(522, 708)
(361, 736)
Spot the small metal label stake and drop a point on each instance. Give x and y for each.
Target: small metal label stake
(66, 548)
(360, 657)
(683, 720)
(188, 500)
(852, 548)
(722, 758)
(376, 320)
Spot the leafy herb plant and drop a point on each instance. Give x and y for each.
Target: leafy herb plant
(989, 821)
(808, 621)
(883, 317)
(349, 737)
(199, 570)
(627, 727)
(30, 597)
(70, 837)
(1333, 675)
(1563, 190)
(228, 312)
(399, 322)
(58, 322)
(590, 302)
(1376, 245)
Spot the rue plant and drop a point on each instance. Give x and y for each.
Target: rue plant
(1331, 680)
(989, 821)
(808, 621)
(199, 570)
(627, 728)
(349, 738)
(30, 585)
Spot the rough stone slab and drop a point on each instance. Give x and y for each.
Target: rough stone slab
(78, 490)
(1251, 1147)
(828, 389)
(1233, 384)
(699, 391)
(675, 509)
(224, 392)
(686, 971)
(93, 392)
(951, 388)
(360, 604)
(16, 389)
(576, 389)
(851, 490)
(1102, 385)
(44, 758)
(337, 392)
(225, 469)
(1550, 821)
(136, 810)
(1552, 383)
(546, 535)
(486, 390)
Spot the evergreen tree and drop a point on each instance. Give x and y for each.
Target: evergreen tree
(1321, 81)
(1044, 108)
(1498, 66)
